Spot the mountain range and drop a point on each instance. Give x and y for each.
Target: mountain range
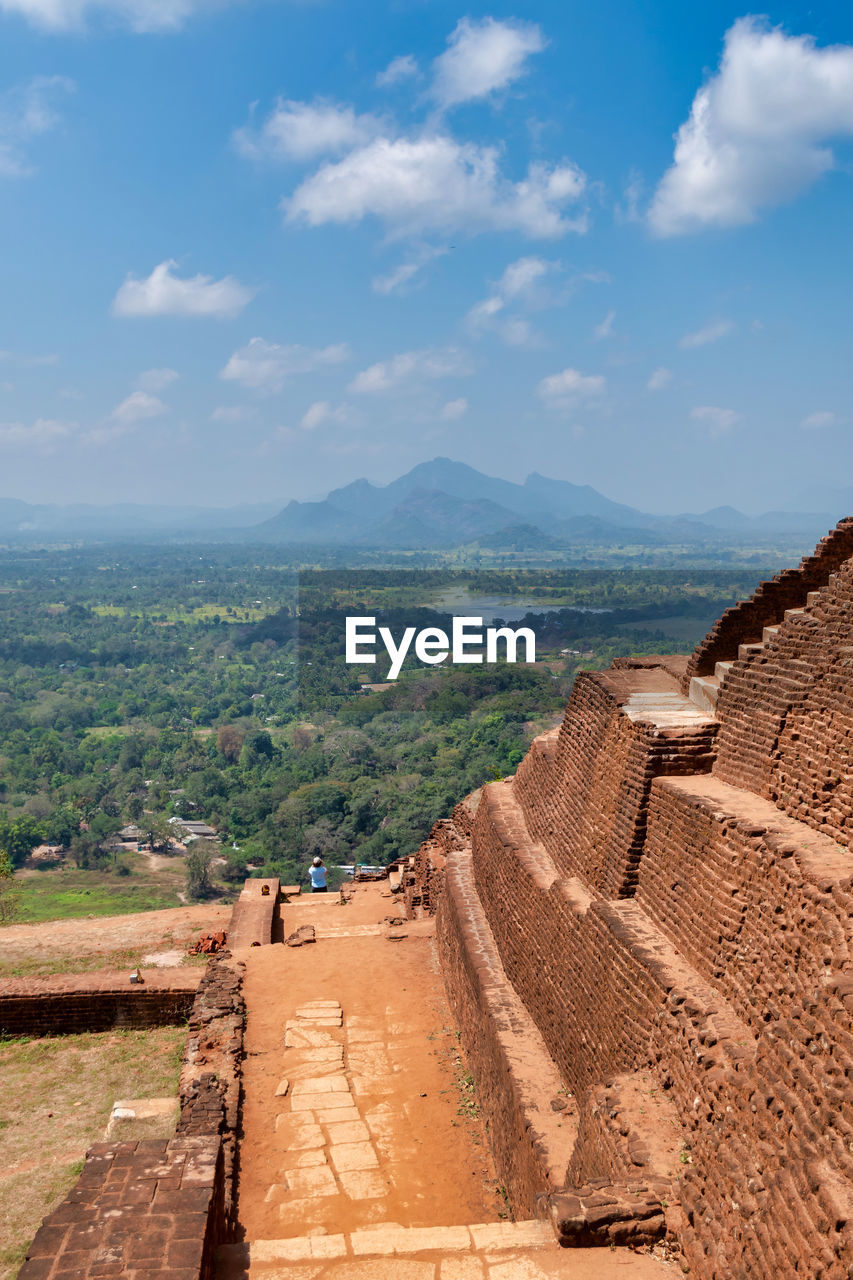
(440, 504)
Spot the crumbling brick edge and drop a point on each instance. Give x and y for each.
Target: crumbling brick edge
(599, 1213)
(161, 1208)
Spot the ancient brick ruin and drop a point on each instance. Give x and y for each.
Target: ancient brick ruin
(646, 937)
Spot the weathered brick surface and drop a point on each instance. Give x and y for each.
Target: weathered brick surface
(743, 623)
(675, 908)
(143, 1209)
(584, 788)
(422, 878)
(761, 906)
(256, 916)
(602, 1214)
(138, 1209)
(515, 1076)
(212, 1070)
(95, 1002)
(786, 714)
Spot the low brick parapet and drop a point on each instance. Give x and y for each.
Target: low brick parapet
(72, 1003)
(212, 1070)
(256, 915)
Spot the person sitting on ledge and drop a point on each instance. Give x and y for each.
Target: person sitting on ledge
(317, 871)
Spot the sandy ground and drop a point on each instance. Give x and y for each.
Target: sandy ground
(172, 929)
(422, 1158)
(438, 1159)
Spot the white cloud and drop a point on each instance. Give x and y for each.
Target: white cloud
(25, 114)
(163, 294)
(138, 406)
(516, 331)
(41, 434)
(305, 130)
(719, 421)
(564, 390)
(436, 184)
(402, 68)
(660, 378)
(519, 276)
(396, 280)
(711, 333)
(321, 411)
(822, 418)
(757, 130)
(265, 366)
(316, 415)
(454, 409)
(520, 284)
(139, 15)
(156, 379)
(605, 329)
(482, 57)
(412, 367)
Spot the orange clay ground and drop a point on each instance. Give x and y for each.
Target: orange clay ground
(363, 1154)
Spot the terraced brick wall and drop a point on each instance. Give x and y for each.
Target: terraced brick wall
(787, 715)
(744, 622)
(584, 789)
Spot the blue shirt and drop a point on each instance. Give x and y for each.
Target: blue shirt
(318, 877)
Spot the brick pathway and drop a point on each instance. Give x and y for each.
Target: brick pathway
(334, 1150)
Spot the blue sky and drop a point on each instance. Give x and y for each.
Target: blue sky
(256, 250)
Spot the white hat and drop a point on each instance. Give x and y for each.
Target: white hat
(318, 862)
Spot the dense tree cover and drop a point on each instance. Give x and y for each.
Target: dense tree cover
(141, 685)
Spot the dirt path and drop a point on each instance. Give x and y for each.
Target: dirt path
(363, 1156)
(148, 930)
(400, 1060)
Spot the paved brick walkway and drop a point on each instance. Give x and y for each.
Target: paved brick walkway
(333, 1155)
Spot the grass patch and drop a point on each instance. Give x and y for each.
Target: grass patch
(31, 967)
(201, 613)
(63, 893)
(57, 1098)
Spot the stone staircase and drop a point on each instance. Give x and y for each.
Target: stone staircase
(705, 690)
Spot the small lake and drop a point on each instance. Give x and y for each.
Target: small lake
(511, 608)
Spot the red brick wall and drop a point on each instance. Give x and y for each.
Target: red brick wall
(158, 1210)
(515, 1078)
(787, 715)
(765, 918)
(255, 917)
(584, 789)
(95, 1002)
(744, 622)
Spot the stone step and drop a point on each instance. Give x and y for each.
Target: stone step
(722, 669)
(665, 709)
(795, 613)
(388, 1240)
(812, 599)
(704, 691)
(747, 651)
(769, 633)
